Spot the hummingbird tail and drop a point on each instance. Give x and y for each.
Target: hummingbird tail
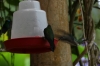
(53, 47)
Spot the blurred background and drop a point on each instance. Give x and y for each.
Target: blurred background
(7, 7)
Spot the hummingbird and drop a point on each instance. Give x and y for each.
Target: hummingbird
(6, 26)
(70, 39)
(49, 36)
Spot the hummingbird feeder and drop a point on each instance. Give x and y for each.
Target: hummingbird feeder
(27, 29)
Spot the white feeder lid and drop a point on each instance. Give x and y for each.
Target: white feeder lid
(28, 4)
(29, 20)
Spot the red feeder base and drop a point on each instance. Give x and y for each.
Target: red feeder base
(28, 45)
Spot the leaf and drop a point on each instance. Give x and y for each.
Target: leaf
(75, 18)
(80, 48)
(73, 57)
(96, 7)
(95, 1)
(98, 25)
(13, 2)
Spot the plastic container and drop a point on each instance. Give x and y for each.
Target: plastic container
(29, 20)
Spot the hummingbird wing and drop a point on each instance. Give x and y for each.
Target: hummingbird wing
(48, 33)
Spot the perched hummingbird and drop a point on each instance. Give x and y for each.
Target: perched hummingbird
(70, 39)
(6, 26)
(48, 33)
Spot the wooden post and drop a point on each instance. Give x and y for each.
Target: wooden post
(57, 14)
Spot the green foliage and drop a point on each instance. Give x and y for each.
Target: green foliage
(12, 2)
(78, 29)
(8, 7)
(20, 59)
(74, 55)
